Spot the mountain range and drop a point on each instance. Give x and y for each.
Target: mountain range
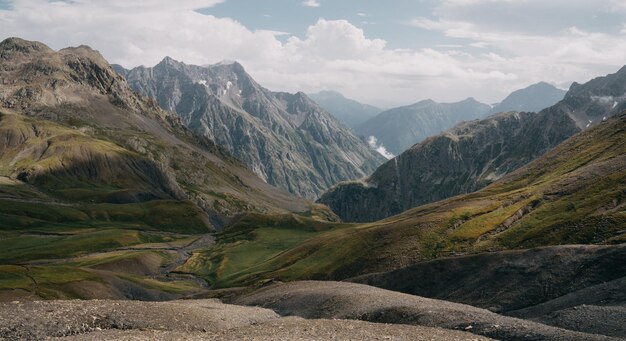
(473, 154)
(508, 227)
(400, 128)
(286, 139)
(348, 111)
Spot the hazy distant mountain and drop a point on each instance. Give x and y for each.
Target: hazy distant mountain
(533, 98)
(286, 139)
(399, 128)
(348, 111)
(474, 154)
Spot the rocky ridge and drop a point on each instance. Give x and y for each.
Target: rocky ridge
(286, 139)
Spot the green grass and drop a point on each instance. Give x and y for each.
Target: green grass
(173, 287)
(251, 245)
(575, 194)
(23, 248)
(161, 215)
(47, 282)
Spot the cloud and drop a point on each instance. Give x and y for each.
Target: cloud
(475, 59)
(311, 3)
(372, 141)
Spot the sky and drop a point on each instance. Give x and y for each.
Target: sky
(380, 52)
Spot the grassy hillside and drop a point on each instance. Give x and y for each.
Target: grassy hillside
(575, 194)
(102, 193)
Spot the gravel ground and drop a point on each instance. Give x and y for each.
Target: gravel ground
(189, 320)
(294, 328)
(606, 320)
(342, 300)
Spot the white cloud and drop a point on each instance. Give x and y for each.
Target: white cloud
(372, 141)
(311, 3)
(333, 54)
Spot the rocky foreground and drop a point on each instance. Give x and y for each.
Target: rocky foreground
(190, 320)
(307, 310)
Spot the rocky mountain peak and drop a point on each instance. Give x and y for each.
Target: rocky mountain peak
(41, 75)
(286, 139)
(13, 45)
(169, 62)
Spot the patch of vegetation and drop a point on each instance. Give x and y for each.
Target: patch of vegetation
(161, 215)
(23, 248)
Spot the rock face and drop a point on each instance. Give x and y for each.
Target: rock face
(286, 139)
(533, 98)
(591, 103)
(348, 111)
(73, 128)
(461, 160)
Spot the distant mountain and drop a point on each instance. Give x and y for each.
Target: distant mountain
(286, 139)
(348, 111)
(533, 99)
(399, 128)
(590, 103)
(474, 154)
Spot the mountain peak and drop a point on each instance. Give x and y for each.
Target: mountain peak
(329, 94)
(169, 61)
(85, 51)
(19, 45)
(428, 101)
(532, 98)
(469, 100)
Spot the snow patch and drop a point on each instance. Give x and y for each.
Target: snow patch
(373, 143)
(203, 82)
(229, 84)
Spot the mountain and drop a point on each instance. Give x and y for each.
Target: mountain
(474, 154)
(286, 139)
(103, 193)
(461, 160)
(533, 98)
(399, 128)
(573, 194)
(593, 102)
(74, 130)
(348, 111)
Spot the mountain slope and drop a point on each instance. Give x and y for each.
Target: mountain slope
(533, 98)
(474, 154)
(574, 194)
(348, 111)
(89, 170)
(461, 160)
(73, 128)
(399, 128)
(590, 103)
(286, 139)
